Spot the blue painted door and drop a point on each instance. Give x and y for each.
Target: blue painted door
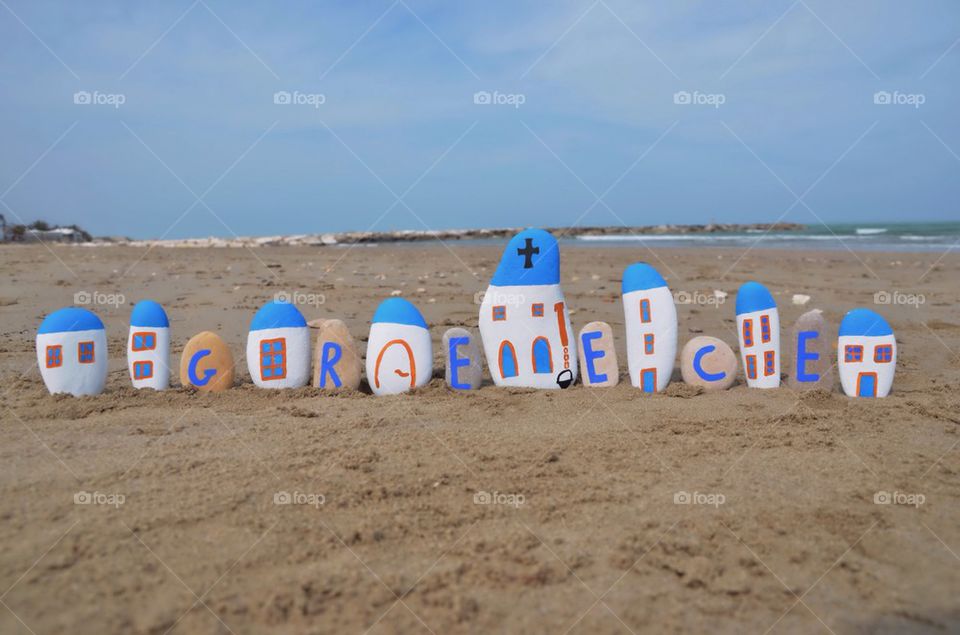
(648, 380)
(867, 385)
(541, 356)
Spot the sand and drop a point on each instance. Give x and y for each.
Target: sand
(383, 533)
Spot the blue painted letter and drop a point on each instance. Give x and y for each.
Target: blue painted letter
(192, 369)
(803, 356)
(329, 356)
(705, 350)
(456, 362)
(589, 355)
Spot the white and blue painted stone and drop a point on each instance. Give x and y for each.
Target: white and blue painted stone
(148, 346)
(650, 316)
(72, 352)
(399, 350)
(758, 329)
(524, 321)
(278, 347)
(866, 354)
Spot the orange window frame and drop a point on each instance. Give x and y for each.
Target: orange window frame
(853, 353)
(93, 356)
(764, 328)
(499, 313)
(536, 309)
(266, 359)
(54, 356)
(143, 335)
(648, 341)
(645, 316)
(748, 332)
(148, 374)
(751, 366)
(888, 348)
(769, 362)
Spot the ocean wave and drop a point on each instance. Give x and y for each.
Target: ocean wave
(870, 231)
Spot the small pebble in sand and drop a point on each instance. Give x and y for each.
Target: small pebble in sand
(421, 290)
(719, 295)
(432, 300)
(799, 299)
(395, 292)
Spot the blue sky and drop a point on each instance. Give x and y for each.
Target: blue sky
(592, 127)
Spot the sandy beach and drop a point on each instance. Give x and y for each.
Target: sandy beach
(388, 530)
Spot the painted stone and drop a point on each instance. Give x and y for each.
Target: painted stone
(650, 316)
(461, 354)
(336, 364)
(148, 346)
(524, 321)
(399, 350)
(866, 354)
(758, 329)
(812, 353)
(72, 352)
(709, 363)
(278, 347)
(206, 363)
(598, 357)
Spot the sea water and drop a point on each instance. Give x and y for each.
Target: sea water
(928, 237)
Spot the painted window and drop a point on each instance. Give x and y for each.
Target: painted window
(54, 356)
(85, 352)
(769, 362)
(764, 328)
(648, 343)
(142, 370)
(542, 360)
(748, 333)
(508, 360)
(883, 353)
(853, 353)
(751, 366)
(273, 359)
(536, 309)
(499, 313)
(144, 341)
(644, 311)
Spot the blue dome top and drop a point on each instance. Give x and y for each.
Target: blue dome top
(399, 311)
(277, 315)
(640, 276)
(70, 319)
(864, 322)
(532, 257)
(753, 296)
(149, 313)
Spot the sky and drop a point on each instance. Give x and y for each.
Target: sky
(193, 118)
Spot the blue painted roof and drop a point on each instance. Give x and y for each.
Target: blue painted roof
(399, 311)
(70, 319)
(753, 296)
(544, 260)
(641, 276)
(864, 322)
(277, 315)
(148, 313)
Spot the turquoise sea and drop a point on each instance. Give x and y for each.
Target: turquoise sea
(926, 237)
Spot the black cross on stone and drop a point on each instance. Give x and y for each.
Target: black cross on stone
(527, 252)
